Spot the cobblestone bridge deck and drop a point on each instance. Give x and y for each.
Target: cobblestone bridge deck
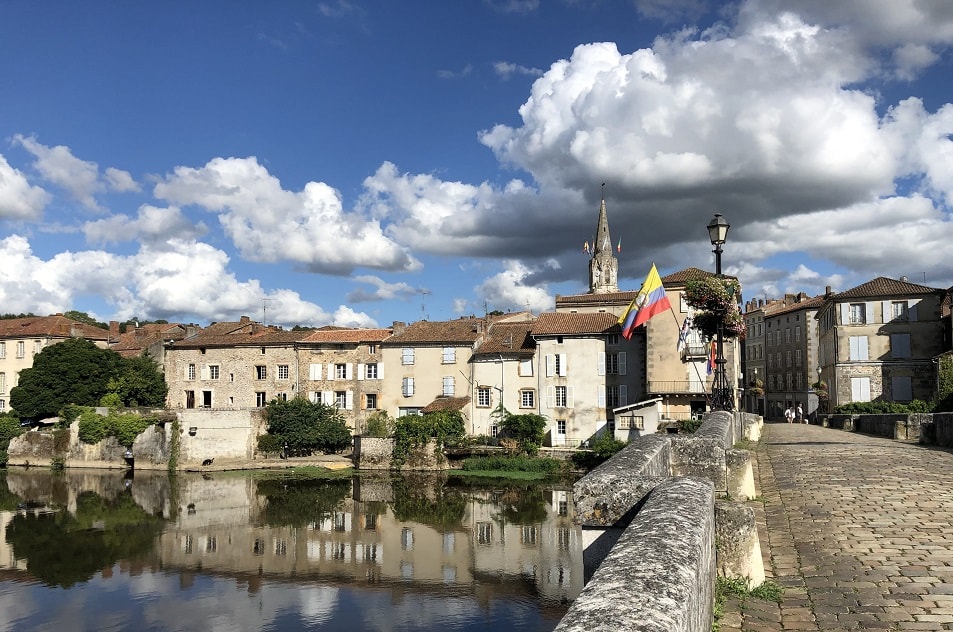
(857, 529)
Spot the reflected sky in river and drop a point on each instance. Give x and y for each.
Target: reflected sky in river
(85, 550)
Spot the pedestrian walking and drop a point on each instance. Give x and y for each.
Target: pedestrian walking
(789, 414)
(800, 415)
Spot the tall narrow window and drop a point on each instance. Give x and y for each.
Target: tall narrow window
(560, 397)
(283, 372)
(448, 386)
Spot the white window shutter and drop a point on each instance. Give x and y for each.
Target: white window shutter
(314, 372)
(550, 396)
(568, 397)
(845, 313)
(562, 365)
(912, 310)
(360, 370)
(380, 370)
(887, 309)
(601, 368)
(327, 397)
(602, 397)
(349, 371)
(623, 395)
(349, 400)
(205, 372)
(622, 363)
(870, 312)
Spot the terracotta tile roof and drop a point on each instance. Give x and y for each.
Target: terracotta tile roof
(446, 403)
(884, 287)
(347, 335)
(780, 309)
(55, 326)
(510, 338)
(608, 297)
(240, 334)
(688, 274)
(568, 324)
(137, 339)
(463, 331)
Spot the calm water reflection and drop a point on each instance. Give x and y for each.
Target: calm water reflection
(85, 550)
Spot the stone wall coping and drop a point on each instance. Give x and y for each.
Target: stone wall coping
(660, 575)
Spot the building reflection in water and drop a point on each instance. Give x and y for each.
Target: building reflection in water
(427, 534)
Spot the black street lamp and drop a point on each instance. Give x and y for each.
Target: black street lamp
(721, 392)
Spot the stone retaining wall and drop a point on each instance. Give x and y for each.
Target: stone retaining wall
(613, 501)
(902, 426)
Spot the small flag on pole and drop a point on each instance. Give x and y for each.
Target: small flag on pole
(585, 248)
(683, 333)
(619, 247)
(711, 357)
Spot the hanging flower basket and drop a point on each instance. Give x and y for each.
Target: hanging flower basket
(716, 301)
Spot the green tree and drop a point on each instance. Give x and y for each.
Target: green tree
(528, 430)
(74, 371)
(83, 317)
(306, 427)
(140, 382)
(9, 428)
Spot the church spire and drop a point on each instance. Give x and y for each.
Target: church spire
(603, 266)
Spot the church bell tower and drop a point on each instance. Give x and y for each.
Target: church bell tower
(603, 265)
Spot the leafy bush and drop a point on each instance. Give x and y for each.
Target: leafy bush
(688, 426)
(603, 447)
(269, 444)
(93, 427)
(380, 424)
(528, 430)
(883, 408)
(513, 464)
(445, 428)
(307, 427)
(9, 428)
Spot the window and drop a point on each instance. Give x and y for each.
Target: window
(528, 535)
(902, 388)
(262, 351)
(900, 345)
(340, 371)
(612, 340)
(860, 389)
(556, 365)
(449, 355)
(407, 355)
(190, 372)
(484, 398)
(561, 427)
(494, 430)
(3, 404)
(37, 347)
(340, 399)
(560, 397)
(787, 357)
(797, 357)
(527, 399)
(612, 363)
(898, 310)
(315, 397)
(448, 386)
(858, 350)
(261, 372)
(407, 386)
(484, 533)
(3, 382)
(3, 349)
(370, 401)
(21, 349)
(370, 371)
(858, 313)
(260, 399)
(787, 335)
(526, 367)
(411, 410)
(213, 372)
(559, 364)
(407, 539)
(372, 348)
(797, 334)
(283, 372)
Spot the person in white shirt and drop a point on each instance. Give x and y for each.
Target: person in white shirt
(800, 415)
(789, 414)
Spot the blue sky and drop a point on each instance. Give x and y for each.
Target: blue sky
(356, 163)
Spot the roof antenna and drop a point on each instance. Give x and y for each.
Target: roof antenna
(423, 303)
(264, 310)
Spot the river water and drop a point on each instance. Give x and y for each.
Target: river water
(104, 550)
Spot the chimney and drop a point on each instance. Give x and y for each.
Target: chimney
(827, 291)
(398, 327)
(244, 320)
(113, 330)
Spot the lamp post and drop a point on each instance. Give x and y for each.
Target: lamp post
(720, 390)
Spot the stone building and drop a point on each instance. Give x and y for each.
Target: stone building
(233, 365)
(877, 341)
(344, 367)
(23, 338)
(791, 357)
(150, 338)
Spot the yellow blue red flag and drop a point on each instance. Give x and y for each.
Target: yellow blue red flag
(650, 300)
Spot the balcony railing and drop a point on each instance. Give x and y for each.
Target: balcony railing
(661, 387)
